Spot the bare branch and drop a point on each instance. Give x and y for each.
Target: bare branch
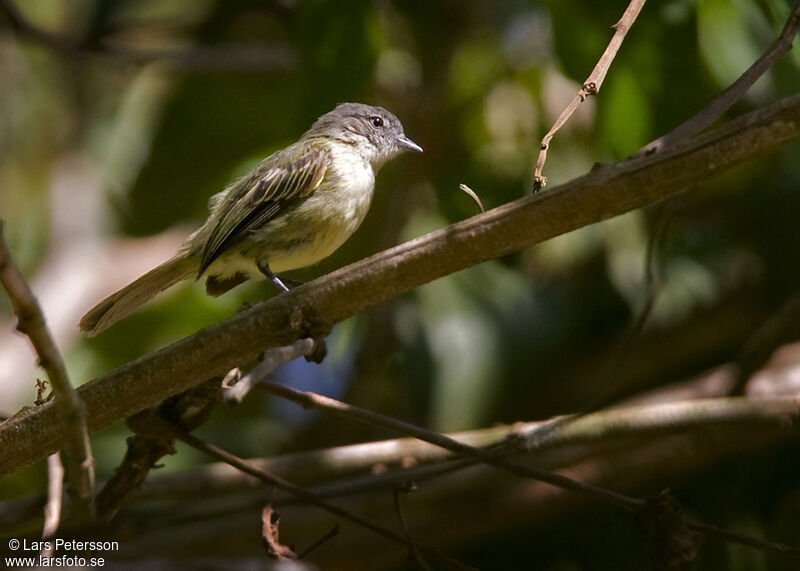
(313, 308)
(725, 99)
(303, 494)
(590, 87)
(271, 360)
(313, 400)
(576, 442)
(701, 412)
(71, 429)
(628, 422)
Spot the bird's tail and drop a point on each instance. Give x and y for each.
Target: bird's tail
(125, 301)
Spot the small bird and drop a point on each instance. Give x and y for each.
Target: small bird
(292, 210)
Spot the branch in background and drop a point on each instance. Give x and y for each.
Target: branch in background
(229, 57)
(303, 494)
(233, 57)
(313, 400)
(646, 421)
(590, 87)
(735, 91)
(71, 428)
(313, 308)
(625, 464)
(314, 468)
(703, 412)
(573, 442)
(588, 438)
(635, 421)
(698, 412)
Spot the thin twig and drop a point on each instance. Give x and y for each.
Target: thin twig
(590, 87)
(280, 483)
(52, 509)
(742, 539)
(399, 492)
(314, 400)
(270, 360)
(321, 541)
(473, 195)
(735, 91)
(78, 460)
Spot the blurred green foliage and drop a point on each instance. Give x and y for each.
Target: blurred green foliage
(477, 84)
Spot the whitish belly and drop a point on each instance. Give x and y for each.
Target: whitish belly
(308, 233)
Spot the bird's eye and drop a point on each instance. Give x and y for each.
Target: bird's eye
(377, 121)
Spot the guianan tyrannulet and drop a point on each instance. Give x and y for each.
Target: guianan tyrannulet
(292, 210)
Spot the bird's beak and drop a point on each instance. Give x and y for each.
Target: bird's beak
(405, 143)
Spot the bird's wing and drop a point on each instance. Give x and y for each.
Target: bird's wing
(261, 198)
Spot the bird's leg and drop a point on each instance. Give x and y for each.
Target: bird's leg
(264, 268)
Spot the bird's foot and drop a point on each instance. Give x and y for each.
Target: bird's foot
(264, 269)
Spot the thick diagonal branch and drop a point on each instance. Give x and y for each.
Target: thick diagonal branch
(314, 307)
